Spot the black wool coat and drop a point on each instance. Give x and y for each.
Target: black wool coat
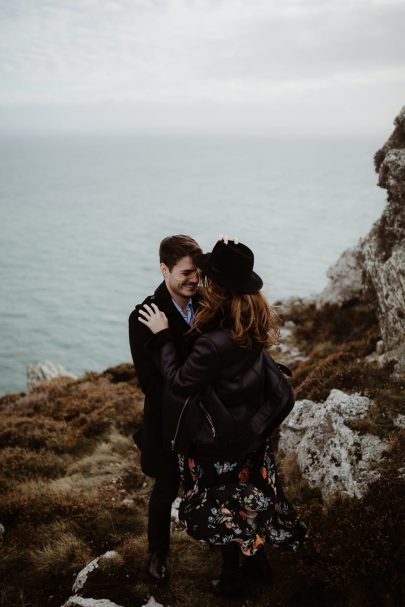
(150, 377)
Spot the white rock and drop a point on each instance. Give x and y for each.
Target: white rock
(289, 325)
(399, 421)
(128, 501)
(2, 531)
(94, 564)
(345, 279)
(175, 508)
(283, 308)
(152, 603)
(79, 601)
(42, 371)
(285, 332)
(379, 348)
(331, 456)
(286, 351)
(384, 273)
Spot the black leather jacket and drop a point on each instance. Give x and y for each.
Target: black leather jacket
(231, 378)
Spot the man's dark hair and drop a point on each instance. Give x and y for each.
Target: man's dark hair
(173, 248)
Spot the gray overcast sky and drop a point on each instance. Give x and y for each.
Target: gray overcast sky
(308, 66)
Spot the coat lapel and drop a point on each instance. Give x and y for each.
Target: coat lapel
(164, 302)
(177, 324)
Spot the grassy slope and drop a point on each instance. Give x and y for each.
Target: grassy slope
(71, 488)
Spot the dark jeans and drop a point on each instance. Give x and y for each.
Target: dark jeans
(163, 495)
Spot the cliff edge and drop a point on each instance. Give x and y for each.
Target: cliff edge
(374, 271)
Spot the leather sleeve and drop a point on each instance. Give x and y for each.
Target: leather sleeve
(199, 369)
(147, 372)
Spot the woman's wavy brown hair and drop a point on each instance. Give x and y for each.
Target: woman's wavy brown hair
(248, 315)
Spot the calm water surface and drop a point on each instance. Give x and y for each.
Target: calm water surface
(82, 217)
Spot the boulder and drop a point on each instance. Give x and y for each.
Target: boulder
(42, 371)
(345, 279)
(287, 351)
(333, 457)
(2, 531)
(152, 603)
(82, 576)
(175, 509)
(399, 421)
(79, 601)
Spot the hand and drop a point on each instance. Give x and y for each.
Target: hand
(227, 239)
(153, 318)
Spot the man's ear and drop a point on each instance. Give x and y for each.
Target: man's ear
(164, 269)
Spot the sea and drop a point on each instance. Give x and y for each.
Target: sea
(82, 216)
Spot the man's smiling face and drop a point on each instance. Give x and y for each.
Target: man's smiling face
(182, 280)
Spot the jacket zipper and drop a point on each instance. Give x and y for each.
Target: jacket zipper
(207, 416)
(173, 441)
(209, 419)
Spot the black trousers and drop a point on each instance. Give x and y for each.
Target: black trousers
(163, 494)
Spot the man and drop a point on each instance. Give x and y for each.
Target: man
(176, 296)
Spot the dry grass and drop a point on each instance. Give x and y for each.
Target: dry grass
(354, 322)
(69, 469)
(62, 555)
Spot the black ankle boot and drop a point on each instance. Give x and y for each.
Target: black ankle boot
(257, 566)
(157, 567)
(229, 583)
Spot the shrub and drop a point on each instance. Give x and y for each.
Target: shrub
(359, 543)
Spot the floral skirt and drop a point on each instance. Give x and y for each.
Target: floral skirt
(238, 501)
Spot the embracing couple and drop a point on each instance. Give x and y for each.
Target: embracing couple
(201, 341)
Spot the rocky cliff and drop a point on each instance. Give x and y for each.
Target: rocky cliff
(375, 270)
(348, 351)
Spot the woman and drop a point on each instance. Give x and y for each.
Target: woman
(233, 498)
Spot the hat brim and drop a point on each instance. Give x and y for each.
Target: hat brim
(252, 285)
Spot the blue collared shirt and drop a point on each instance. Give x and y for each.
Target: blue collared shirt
(190, 311)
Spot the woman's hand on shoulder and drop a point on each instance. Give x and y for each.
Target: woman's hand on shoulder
(153, 318)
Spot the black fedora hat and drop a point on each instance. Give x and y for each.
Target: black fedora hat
(231, 266)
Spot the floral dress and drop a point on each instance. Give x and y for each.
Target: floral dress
(238, 500)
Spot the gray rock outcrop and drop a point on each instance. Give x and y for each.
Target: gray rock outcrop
(152, 603)
(79, 601)
(375, 269)
(345, 279)
(42, 371)
(331, 456)
(287, 350)
(82, 576)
